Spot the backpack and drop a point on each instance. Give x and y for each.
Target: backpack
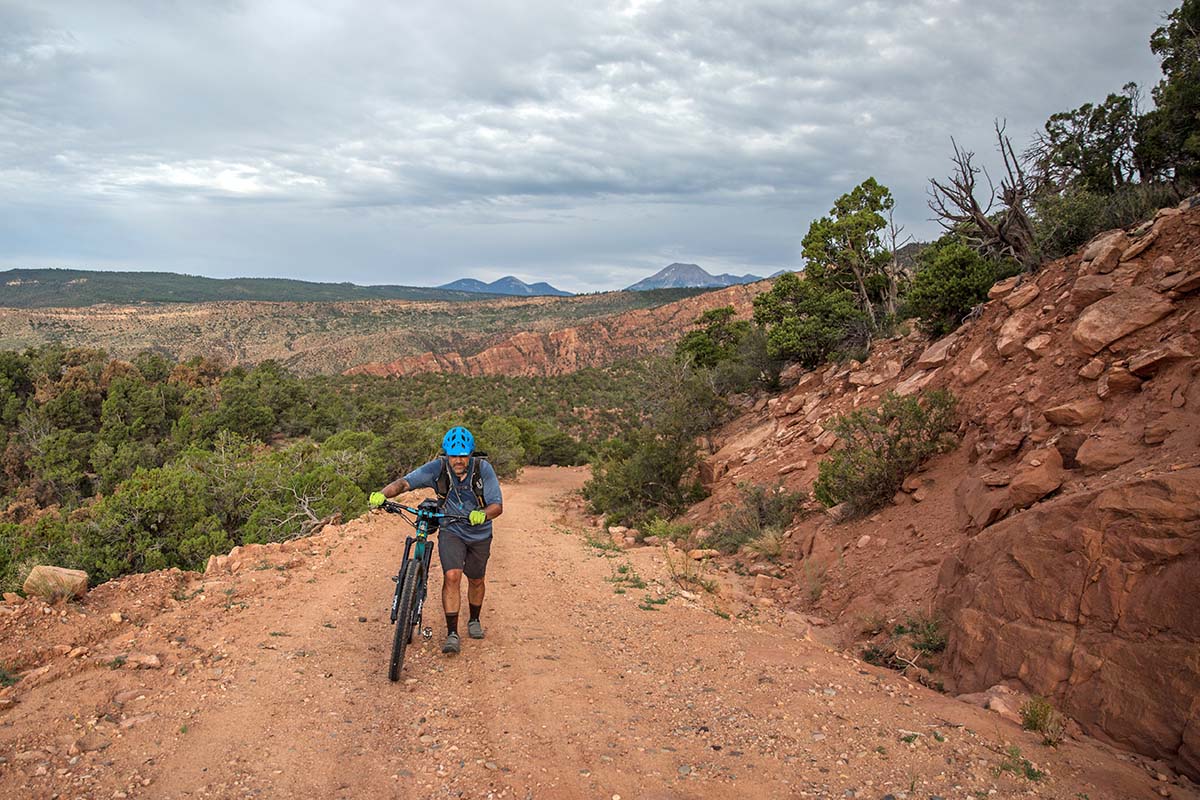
(474, 476)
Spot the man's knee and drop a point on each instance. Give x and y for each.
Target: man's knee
(453, 577)
(475, 583)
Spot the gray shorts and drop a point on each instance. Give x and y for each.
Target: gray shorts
(470, 557)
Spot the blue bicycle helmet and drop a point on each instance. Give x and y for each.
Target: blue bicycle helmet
(458, 441)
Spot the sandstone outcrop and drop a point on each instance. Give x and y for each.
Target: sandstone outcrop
(565, 350)
(1089, 600)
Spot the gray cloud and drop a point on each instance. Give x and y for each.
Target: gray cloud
(418, 142)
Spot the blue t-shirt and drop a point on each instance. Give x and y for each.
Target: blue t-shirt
(460, 500)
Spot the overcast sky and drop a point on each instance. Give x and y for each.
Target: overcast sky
(586, 144)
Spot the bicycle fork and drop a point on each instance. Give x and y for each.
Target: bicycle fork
(399, 580)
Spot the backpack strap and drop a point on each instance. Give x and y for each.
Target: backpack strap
(477, 480)
(442, 486)
(474, 477)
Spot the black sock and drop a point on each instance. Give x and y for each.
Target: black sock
(475, 609)
(452, 623)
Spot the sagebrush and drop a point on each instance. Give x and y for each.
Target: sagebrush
(881, 447)
(760, 511)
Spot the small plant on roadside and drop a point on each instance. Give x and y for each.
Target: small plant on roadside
(910, 643)
(625, 577)
(1018, 765)
(909, 738)
(652, 603)
(881, 447)
(769, 545)
(601, 543)
(1039, 716)
(812, 579)
(760, 510)
(925, 633)
(7, 678)
(687, 572)
(666, 531)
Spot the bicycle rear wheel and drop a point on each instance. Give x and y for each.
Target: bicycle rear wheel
(404, 620)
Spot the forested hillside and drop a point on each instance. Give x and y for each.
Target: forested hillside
(74, 288)
(123, 466)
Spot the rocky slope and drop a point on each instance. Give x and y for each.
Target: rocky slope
(1060, 541)
(564, 350)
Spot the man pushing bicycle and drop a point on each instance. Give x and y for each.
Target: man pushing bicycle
(466, 486)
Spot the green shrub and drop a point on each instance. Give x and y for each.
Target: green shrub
(1065, 222)
(501, 439)
(1039, 716)
(643, 475)
(650, 471)
(666, 531)
(951, 279)
(881, 447)
(760, 510)
(925, 633)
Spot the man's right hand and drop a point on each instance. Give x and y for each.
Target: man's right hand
(376, 499)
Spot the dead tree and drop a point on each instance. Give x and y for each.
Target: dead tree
(895, 271)
(1005, 232)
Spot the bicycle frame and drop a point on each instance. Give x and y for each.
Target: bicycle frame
(418, 553)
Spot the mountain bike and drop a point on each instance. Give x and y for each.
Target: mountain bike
(413, 580)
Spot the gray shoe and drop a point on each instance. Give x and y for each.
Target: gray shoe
(452, 645)
(475, 629)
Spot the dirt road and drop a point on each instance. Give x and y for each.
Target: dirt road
(269, 681)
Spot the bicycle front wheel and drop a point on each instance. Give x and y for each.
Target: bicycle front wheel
(404, 619)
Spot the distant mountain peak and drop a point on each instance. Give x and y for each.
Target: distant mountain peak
(508, 285)
(679, 276)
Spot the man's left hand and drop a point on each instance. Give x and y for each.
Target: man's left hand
(477, 517)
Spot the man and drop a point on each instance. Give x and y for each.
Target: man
(468, 488)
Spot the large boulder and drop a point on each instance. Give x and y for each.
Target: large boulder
(56, 583)
(979, 505)
(1076, 412)
(1040, 474)
(1115, 238)
(1089, 601)
(1015, 330)
(1098, 455)
(1118, 315)
(1022, 297)
(1148, 362)
(1090, 288)
(937, 353)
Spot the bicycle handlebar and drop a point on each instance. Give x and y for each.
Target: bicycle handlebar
(393, 507)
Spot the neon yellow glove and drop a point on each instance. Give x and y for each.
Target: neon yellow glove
(477, 517)
(376, 499)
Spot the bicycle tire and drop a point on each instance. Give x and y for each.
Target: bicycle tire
(403, 632)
